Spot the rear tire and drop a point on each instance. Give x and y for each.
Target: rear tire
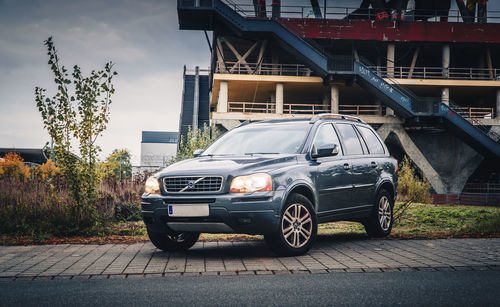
(379, 224)
(173, 241)
(297, 230)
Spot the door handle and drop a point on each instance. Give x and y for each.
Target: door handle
(374, 165)
(346, 166)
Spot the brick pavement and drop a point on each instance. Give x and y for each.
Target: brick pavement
(76, 261)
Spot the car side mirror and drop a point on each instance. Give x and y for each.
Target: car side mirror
(197, 152)
(326, 150)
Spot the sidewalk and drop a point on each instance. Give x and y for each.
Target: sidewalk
(76, 261)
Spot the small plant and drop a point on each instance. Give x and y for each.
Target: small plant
(117, 166)
(195, 139)
(47, 171)
(12, 166)
(79, 111)
(411, 189)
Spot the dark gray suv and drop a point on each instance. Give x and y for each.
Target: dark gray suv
(278, 178)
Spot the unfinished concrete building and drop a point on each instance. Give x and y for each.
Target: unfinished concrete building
(426, 77)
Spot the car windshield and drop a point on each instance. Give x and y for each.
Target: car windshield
(261, 139)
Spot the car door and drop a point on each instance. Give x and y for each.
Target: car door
(358, 165)
(332, 179)
(372, 165)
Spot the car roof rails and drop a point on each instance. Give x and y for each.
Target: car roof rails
(335, 116)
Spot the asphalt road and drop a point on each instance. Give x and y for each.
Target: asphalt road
(465, 288)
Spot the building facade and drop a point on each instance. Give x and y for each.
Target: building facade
(158, 148)
(428, 82)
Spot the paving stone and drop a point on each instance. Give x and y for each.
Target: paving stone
(282, 272)
(372, 270)
(354, 270)
(300, 272)
(336, 270)
(245, 258)
(426, 269)
(153, 275)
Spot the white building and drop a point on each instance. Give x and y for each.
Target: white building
(158, 148)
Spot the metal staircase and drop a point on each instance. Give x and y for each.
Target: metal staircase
(214, 14)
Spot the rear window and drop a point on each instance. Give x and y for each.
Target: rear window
(372, 141)
(350, 139)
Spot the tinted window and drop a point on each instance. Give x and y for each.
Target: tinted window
(326, 135)
(350, 139)
(372, 141)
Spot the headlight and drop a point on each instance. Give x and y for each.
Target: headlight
(152, 186)
(251, 183)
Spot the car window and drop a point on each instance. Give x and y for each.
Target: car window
(363, 144)
(372, 141)
(350, 139)
(326, 135)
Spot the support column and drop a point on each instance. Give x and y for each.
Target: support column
(196, 99)
(445, 95)
(446, 61)
(279, 98)
(222, 104)
(498, 104)
(334, 99)
(391, 52)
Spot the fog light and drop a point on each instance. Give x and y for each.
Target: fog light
(244, 220)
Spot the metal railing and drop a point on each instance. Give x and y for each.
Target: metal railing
(474, 112)
(482, 187)
(337, 12)
(269, 107)
(264, 69)
(361, 109)
(402, 72)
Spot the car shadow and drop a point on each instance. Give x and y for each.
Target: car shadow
(257, 248)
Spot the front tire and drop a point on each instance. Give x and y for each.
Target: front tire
(379, 224)
(298, 228)
(173, 241)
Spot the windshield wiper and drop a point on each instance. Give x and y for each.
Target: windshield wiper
(261, 153)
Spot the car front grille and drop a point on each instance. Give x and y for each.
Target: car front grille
(193, 184)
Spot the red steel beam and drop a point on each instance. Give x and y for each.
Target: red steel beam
(387, 31)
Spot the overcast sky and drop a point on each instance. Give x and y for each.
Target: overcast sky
(141, 37)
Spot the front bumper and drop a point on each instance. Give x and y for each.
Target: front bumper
(256, 213)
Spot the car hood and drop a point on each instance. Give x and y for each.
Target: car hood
(228, 165)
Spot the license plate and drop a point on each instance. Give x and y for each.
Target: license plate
(188, 210)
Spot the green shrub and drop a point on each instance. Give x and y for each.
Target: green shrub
(411, 189)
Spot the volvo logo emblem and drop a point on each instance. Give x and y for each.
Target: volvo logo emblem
(190, 185)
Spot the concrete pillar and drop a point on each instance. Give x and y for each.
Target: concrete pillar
(445, 95)
(279, 98)
(334, 99)
(222, 104)
(196, 102)
(498, 104)
(391, 52)
(446, 61)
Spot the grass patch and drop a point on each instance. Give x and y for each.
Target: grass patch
(420, 221)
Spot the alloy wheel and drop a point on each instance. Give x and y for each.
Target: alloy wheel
(296, 225)
(384, 213)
